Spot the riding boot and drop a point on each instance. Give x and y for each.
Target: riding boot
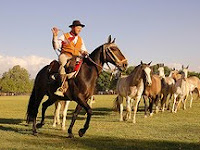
(63, 86)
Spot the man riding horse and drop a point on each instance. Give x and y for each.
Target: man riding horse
(70, 44)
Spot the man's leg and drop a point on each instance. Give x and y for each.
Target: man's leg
(62, 60)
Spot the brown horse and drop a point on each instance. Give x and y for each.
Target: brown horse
(132, 87)
(80, 88)
(167, 87)
(153, 93)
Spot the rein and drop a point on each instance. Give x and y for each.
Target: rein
(109, 52)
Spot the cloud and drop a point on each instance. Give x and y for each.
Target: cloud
(32, 63)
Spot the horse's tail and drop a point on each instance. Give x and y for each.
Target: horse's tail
(30, 111)
(116, 105)
(38, 92)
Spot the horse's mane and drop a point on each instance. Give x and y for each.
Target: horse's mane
(135, 75)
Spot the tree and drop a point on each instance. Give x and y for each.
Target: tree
(16, 80)
(103, 82)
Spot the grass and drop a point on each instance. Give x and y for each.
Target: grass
(162, 131)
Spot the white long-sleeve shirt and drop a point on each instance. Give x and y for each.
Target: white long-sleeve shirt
(57, 42)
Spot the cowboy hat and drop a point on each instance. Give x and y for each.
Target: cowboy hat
(76, 23)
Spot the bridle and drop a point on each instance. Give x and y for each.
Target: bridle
(107, 51)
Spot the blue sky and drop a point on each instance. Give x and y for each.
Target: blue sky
(150, 30)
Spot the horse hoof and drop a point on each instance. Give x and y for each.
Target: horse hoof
(39, 125)
(81, 132)
(35, 133)
(70, 136)
(145, 116)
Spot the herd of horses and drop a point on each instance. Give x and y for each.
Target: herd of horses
(157, 88)
(140, 83)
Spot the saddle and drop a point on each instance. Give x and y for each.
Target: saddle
(72, 68)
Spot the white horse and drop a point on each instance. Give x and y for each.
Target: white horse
(132, 87)
(181, 90)
(61, 107)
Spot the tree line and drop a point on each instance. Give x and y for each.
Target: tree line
(17, 80)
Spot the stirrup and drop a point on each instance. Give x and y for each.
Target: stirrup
(59, 92)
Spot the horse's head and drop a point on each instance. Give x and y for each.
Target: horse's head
(185, 71)
(146, 71)
(161, 70)
(112, 54)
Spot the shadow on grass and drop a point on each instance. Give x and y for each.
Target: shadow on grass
(112, 143)
(10, 121)
(81, 116)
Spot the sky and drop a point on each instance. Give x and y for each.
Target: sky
(161, 31)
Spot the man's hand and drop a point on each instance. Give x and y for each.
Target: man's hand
(55, 31)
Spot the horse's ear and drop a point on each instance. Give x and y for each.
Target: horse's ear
(141, 62)
(158, 65)
(187, 67)
(173, 69)
(163, 65)
(113, 41)
(109, 39)
(182, 67)
(150, 63)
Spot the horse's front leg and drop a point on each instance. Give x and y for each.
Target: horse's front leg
(191, 96)
(145, 106)
(85, 105)
(65, 115)
(74, 117)
(174, 103)
(56, 119)
(128, 109)
(135, 108)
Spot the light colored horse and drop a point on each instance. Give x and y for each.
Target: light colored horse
(181, 90)
(167, 87)
(61, 107)
(132, 87)
(193, 84)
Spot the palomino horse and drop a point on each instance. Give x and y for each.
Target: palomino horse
(62, 107)
(167, 87)
(181, 90)
(193, 84)
(132, 87)
(153, 93)
(80, 88)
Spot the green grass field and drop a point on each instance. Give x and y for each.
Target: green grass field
(162, 131)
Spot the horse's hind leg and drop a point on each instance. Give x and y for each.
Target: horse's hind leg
(128, 109)
(45, 105)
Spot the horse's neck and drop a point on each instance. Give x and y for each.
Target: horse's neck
(135, 77)
(97, 56)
